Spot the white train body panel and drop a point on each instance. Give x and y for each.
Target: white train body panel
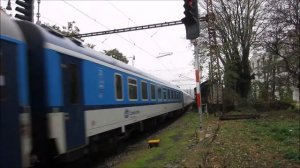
(98, 121)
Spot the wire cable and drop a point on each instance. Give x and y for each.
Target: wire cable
(107, 28)
(132, 43)
(56, 23)
(123, 13)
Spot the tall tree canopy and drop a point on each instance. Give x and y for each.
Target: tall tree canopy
(282, 38)
(238, 25)
(116, 54)
(270, 27)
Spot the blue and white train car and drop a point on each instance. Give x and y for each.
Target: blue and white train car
(77, 93)
(187, 99)
(15, 139)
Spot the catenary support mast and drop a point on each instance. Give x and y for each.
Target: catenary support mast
(214, 66)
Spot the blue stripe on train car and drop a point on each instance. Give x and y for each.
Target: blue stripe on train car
(54, 77)
(98, 84)
(23, 75)
(99, 88)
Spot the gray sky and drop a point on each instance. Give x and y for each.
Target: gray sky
(101, 15)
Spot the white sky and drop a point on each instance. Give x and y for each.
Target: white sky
(144, 44)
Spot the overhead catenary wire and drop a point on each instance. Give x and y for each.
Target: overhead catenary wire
(125, 15)
(83, 13)
(56, 23)
(95, 20)
(132, 43)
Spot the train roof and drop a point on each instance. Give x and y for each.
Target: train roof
(55, 38)
(9, 28)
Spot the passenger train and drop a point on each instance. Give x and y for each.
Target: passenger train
(58, 98)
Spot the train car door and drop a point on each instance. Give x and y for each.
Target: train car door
(10, 147)
(73, 103)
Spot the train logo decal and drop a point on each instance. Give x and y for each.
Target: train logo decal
(126, 113)
(131, 114)
(101, 83)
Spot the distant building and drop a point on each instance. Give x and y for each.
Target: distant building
(269, 75)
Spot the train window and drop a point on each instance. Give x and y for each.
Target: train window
(118, 87)
(153, 96)
(74, 83)
(172, 94)
(144, 89)
(169, 94)
(164, 94)
(2, 78)
(159, 93)
(132, 88)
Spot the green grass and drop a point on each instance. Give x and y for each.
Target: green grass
(283, 131)
(271, 141)
(174, 141)
(280, 133)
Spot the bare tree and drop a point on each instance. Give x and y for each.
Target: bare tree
(239, 24)
(282, 39)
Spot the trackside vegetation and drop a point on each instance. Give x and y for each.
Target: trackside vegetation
(270, 141)
(174, 141)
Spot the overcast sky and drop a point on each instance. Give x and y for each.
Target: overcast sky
(145, 45)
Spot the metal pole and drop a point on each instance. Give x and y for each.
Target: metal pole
(38, 15)
(198, 82)
(8, 7)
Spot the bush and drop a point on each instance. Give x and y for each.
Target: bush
(281, 105)
(276, 105)
(261, 107)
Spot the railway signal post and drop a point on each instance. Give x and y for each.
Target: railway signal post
(25, 9)
(191, 22)
(200, 133)
(198, 83)
(191, 19)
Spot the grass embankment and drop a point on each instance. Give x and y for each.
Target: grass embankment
(174, 141)
(271, 141)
